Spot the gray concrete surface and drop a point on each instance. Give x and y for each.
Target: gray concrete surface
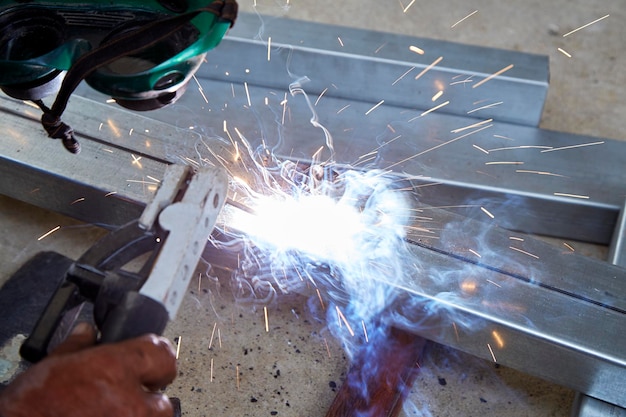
(229, 364)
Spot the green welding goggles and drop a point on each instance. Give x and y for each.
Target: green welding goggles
(142, 53)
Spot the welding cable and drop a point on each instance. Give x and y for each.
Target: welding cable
(121, 46)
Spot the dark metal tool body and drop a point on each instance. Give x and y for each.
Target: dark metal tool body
(169, 236)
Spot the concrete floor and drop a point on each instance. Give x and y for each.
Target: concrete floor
(229, 364)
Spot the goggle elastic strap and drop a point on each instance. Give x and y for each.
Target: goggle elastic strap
(130, 43)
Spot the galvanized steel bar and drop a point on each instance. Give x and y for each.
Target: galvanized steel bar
(367, 66)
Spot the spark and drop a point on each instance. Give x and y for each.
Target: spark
(480, 149)
(319, 296)
(153, 179)
(267, 323)
(211, 377)
(269, 48)
(491, 351)
(245, 84)
(110, 193)
(474, 252)
(586, 25)
(114, 128)
(200, 89)
(416, 49)
(380, 47)
(408, 6)
(317, 152)
(524, 252)
(428, 68)
(581, 145)
(48, 233)
(180, 341)
(78, 200)
(420, 229)
(456, 331)
(437, 107)
(136, 160)
(343, 108)
(494, 283)
(343, 318)
(427, 185)
(488, 106)
(526, 171)
(484, 210)
(237, 376)
(502, 137)
(519, 239)
(471, 126)
(437, 147)
(504, 163)
(403, 75)
(130, 132)
(584, 197)
(375, 107)
(510, 148)
(33, 105)
(466, 80)
(327, 347)
(144, 182)
(437, 95)
(495, 74)
(219, 337)
(284, 104)
(498, 338)
(340, 41)
(449, 207)
(568, 246)
(320, 96)
(564, 52)
(212, 334)
(365, 331)
(466, 17)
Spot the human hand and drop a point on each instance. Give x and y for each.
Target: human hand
(80, 379)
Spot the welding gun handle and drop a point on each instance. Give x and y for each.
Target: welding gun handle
(136, 315)
(35, 348)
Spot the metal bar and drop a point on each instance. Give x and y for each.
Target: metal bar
(562, 193)
(103, 186)
(584, 405)
(537, 308)
(372, 66)
(617, 249)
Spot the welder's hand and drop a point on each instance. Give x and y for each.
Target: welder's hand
(80, 379)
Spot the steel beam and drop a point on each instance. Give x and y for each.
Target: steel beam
(368, 66)
(574, 193)
(519, 302)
